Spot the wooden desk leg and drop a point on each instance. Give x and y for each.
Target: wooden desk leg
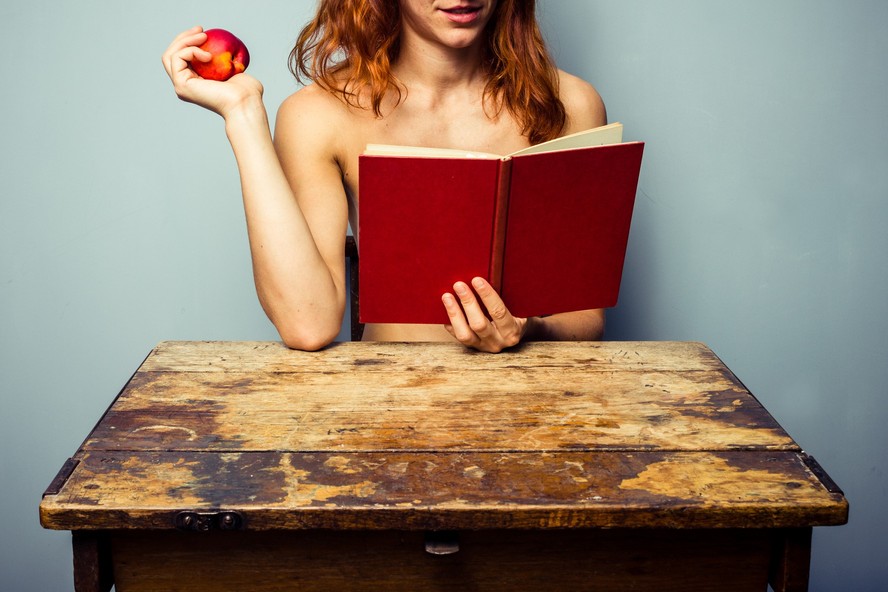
(791, 563)
(93, 571)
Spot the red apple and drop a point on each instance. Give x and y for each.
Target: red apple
(230, 56)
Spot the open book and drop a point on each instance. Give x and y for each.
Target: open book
(547, 226)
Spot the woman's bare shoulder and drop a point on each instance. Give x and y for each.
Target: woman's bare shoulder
(312, 106)
(585, 108)
(315, 123)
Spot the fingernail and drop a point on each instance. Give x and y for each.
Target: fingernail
(460, 288)
(478, 283)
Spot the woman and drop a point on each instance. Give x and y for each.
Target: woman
(468, 74)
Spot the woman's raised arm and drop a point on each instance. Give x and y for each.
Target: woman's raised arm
(297, 254)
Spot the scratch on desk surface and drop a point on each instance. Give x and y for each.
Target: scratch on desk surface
(192, 435)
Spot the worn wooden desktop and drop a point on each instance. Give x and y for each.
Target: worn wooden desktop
(557, 466)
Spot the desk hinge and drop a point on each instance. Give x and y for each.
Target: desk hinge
(818, 471)
(206, 521)
(61, 477)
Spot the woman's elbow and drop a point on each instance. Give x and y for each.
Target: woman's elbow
(308, 338)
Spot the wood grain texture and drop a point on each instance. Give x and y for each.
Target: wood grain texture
(429, 491)
(266, 356)
(791, 560)
(93, 569)
(321, 561)
(356, 396)
(427, 436)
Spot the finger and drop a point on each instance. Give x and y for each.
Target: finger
(181, 59)
(508, 327)
(492, 301)
(459, 326)
(188, 33)
(193, 36)
(478, 321)
(179, 67)
(183, 45)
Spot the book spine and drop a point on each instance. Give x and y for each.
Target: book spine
(500, 220)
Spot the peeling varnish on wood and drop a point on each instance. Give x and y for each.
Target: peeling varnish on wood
(576, 471)
(341, 464)
(94, 486)
(558, 409)
(474, 472)
(301, 491)
(707, 476)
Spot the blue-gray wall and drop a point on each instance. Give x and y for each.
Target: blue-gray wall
(759, 227)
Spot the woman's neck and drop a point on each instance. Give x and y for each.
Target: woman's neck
(430, 66)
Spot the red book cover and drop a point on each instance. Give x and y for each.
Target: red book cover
(548, 229)
(568, 226)
(423, 224)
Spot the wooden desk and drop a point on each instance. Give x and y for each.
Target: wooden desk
(559, 466)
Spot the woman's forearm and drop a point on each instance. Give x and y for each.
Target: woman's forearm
(297, 289)
(583, 325)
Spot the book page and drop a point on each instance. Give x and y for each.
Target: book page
(598, 136)
(424, 152)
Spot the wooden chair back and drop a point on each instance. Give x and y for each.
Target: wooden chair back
(351, 254)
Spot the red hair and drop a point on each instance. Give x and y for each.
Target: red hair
(350, 45)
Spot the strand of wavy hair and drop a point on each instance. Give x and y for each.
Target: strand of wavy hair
(523, 78)
(348, 48)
